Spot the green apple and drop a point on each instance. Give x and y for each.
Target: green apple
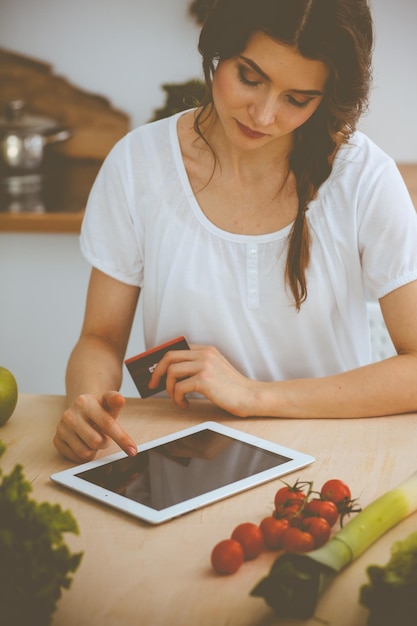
(8, 395)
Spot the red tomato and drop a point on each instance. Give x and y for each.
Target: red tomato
(297, 540)
(250, 537)
(319, 528)
(322, 508)
(286, 496)
(336, 491)
(273, 530)
(227, 556)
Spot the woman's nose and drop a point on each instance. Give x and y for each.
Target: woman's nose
(264, 111)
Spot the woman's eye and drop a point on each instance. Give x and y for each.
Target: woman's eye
(245, 80)
(297, 103)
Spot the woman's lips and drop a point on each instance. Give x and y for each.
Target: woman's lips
(253, 134)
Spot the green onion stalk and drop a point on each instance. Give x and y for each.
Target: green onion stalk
(296, 581)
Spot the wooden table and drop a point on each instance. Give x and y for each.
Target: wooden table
(135, 574)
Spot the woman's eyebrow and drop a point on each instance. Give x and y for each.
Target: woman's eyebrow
(255, 67)
(258, 70)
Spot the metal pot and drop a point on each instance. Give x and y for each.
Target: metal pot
(23, 137)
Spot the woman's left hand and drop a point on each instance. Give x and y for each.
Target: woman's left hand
(203, 369)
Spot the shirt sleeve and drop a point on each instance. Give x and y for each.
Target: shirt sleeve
(111, 234)
(387, 231)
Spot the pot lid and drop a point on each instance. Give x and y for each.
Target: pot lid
(15, 119)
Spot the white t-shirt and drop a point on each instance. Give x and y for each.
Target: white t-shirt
(143, 226)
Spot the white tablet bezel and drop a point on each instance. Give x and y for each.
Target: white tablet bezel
(69, 478)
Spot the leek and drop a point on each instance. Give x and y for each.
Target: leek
(296, 581)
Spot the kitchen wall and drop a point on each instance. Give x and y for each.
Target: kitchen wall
(122, 49)
(43, 282)
(125, 50)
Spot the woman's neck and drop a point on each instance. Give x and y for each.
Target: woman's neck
(241, 164)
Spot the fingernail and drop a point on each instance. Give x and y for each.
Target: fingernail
(131, 450)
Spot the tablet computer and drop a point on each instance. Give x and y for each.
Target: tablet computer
(183, 471)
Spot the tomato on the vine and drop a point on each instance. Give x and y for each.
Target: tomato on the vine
(336, 491)
(227, 556)
(301, 521)
(251, 539)
(297, 540)
(273, 530)
(322, 508)
(286, 496)
(319, 528)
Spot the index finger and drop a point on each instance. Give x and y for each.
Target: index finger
(108, 425)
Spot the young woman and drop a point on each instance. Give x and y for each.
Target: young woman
(256, 226)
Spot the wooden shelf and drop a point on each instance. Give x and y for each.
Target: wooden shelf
(58, 204)
(41, 222)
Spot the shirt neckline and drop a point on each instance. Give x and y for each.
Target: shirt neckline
(195, 207)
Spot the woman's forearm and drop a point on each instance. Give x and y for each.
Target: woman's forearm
(94, 367)
(383, 388)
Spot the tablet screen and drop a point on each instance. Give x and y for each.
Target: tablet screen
(184, 468)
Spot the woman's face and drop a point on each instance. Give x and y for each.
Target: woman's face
(266, 92)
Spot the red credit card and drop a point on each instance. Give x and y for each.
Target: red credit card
(142, 365)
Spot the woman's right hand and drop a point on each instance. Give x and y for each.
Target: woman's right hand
(89, 425)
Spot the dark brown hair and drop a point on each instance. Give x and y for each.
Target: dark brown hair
(337, 32)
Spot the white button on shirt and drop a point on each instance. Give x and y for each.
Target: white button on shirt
(252, 276)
